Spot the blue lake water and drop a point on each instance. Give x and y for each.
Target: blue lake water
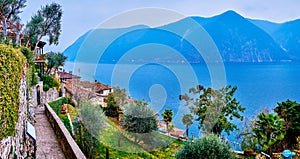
(260, 85)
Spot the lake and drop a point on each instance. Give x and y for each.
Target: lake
(260, 85)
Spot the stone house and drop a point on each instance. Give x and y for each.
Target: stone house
(78, 90)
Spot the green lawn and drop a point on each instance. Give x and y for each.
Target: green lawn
(122, 144)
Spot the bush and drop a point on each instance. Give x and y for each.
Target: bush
(34, 79)
(49, 82)
(11, 72)
(71, 102)
(66, 121)
(207, 147)
(56, 105)
(28, 55)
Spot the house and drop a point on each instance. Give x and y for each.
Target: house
(67, 80)
(99, 91)
(102, 89)
(64, 76)
(72, 87)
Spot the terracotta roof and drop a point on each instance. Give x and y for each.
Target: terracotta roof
(97, 86)
(176, 132)
(100, 86)
(65, 75)
(93, 87)
(69, 86)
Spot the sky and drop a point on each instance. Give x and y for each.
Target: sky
(80, 16)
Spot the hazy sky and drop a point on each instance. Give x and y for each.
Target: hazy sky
(81, 15)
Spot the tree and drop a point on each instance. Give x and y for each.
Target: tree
(49, 82)
(92, 117)
(9, 10)
(187, 120)
(88, 126)
(112, 108)
(46, 22)
(33, 30)
(215, 109)
(269, 130)
(171, 127)
(138, 118)
(55, 60)
(209, 146)
(289, 111)
(168, 117)
(120, 96)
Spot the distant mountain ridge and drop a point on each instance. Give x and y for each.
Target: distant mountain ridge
(237, 38)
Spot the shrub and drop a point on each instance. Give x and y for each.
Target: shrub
(28, 55)
(11, 71)
(66, 121)
(34, 79)
(56, 105)
(268, 131)
(289, 111)
(210, 147)
(49, 82)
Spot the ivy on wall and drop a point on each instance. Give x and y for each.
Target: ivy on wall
(12, 62)
(32, 78)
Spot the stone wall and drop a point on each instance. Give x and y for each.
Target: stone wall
(20, 145)
(67, 143)
(45, 97)
(50, 95)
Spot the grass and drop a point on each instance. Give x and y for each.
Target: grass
(160, 146)
(72, 111)
(122, 144)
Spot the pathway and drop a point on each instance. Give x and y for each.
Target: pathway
(47, 144)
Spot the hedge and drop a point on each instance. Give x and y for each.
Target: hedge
(12, 62)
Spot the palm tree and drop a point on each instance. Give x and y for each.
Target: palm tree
(187, 120)
(269, 130)
(168, 116)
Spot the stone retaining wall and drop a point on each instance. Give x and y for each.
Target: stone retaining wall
(51, 95)
(20, 145)
(67, 143)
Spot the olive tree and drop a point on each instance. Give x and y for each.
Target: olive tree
(46, 22)
(9, 15)
(55, 60)
(214, 108)
(139, 119)
(210, 147)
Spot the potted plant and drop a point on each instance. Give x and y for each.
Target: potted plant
(64, 109)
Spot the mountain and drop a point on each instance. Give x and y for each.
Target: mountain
(286, 35)
(267, 26)
(238, 40)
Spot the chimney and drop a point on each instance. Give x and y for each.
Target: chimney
(70, 72)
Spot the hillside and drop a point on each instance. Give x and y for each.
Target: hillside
(286, 35)
(237, 38)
